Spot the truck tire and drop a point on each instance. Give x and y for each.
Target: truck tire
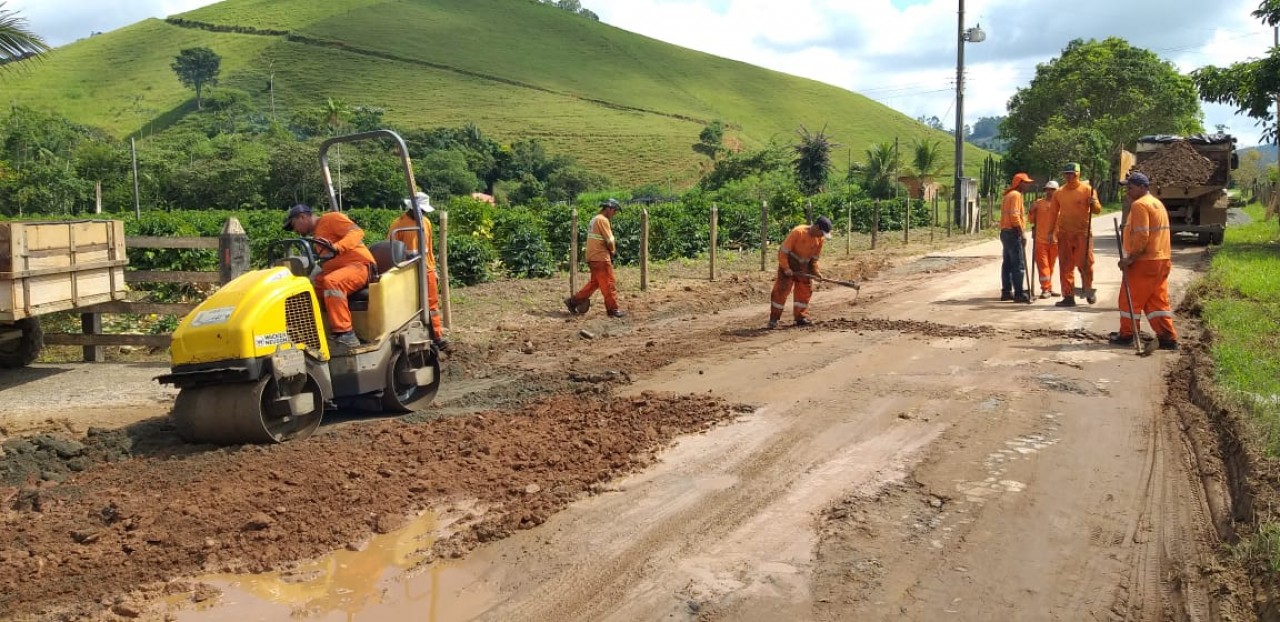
(1217, 238)
(20, 352)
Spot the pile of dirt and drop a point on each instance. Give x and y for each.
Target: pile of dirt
(115, 527)
(1177, 165)
(50, 457)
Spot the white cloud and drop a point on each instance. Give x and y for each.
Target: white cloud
(900, 52)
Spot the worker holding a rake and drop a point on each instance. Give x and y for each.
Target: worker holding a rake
(1145, 265)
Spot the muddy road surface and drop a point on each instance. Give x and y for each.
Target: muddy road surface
(923, 452)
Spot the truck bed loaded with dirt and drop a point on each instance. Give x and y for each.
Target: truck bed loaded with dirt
(1190, 176)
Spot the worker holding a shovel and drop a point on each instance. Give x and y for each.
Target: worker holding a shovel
(1043, 220)
(1145, 265)
(1014, 241)
(798, 267)
(1075, 203)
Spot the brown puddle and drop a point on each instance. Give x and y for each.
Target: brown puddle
(349, 585)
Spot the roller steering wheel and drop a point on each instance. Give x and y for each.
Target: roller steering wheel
(322, 249)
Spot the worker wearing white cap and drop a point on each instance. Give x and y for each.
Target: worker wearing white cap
(405, 229)
(1043, 219)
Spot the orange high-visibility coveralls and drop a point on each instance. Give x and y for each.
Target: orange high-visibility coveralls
(1074, 204)
(346, 273)
(1043, 220)
(409, 235)
(1147, 240)
(601, 247)
(799, 252)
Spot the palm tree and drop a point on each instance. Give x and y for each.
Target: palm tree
(878, 172)
(926, 162)
(813, 160)
(16, 42)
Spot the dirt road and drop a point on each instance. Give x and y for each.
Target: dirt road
(925, 452)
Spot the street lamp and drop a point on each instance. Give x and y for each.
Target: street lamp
(972, 35)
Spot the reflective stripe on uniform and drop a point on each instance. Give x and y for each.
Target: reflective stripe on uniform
(1128, 316)
(434, 313)
(802, 305)
(1148, 229)
(777, 306)
(595, 236)
(1160, 314)
(335, 293)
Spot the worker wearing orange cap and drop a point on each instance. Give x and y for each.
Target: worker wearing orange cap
(1043, 219)
(346, 268)
(1014, 240)
(1146, 265)
(405, 230)
(1075, 203)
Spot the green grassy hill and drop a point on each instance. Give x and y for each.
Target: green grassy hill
(626, 105)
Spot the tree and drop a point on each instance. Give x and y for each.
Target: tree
(197, 67)
(813, 160)
(932, 121)
(926, 162)
(1250, 86)
(16, 42)
(878, 171)
(711, 140)
(1101, 94)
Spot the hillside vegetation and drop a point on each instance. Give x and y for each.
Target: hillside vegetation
(623, 104)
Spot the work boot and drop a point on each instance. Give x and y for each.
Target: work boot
(571, 305)
(1045, 294)
(1067, 301)
(773, 324)
(1005, 296)
(1021, 298)
(803, 321)
(347, 339)
(1091, 299)
(616, 313)
(445, 346)
(1116, 339)
(1168, 344)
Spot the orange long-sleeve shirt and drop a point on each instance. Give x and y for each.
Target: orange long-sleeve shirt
(346, 237)
(1146, 233)
(1075, 203)
(601, 244)
(1011, 211)
(409, 235)
(1043, 218)
(801, 248)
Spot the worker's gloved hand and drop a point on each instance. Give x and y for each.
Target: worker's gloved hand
(789, 272)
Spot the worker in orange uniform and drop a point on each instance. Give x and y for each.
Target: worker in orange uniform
(346, 268)
(1043, 220)
(1146, 264)
(1074, 203)
(1013, 241)
(405, 229)
(601, 248)
(797, 261)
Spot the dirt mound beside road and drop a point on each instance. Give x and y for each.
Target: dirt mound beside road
(1177, 165)
(119, 526)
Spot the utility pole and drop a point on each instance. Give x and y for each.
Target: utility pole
(959, 192)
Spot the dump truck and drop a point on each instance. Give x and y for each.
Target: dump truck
(1194, 191)
(46, 267)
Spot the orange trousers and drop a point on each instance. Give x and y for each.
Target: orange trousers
(1074, 251)
(782, 288)
(602, 279)
(1046, 255)
(334, 286)
(1148, 281)
(433, 303)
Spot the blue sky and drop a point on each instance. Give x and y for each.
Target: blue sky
(899, 52)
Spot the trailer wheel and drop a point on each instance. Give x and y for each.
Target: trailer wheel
(1217, 239)
(22, 350)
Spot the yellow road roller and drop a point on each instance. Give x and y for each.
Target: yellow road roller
(253, 363)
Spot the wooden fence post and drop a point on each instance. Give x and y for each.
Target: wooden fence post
(848, 229)
(933, 221)
(715, 222)
(764, 236)
(808, 211)
(97, 197)
(644, 249)
(906, 221)
(573, 251)
(875, 225)
(446, 311)
(950, 214)
(233, 251)
(91, 324)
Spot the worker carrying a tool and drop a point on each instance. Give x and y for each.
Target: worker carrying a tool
(1146, 264)
(343, 273)
(797, 263)
(601, 249)
(1043, 219)
(405, 229)
(1075, 203)
(1013, 241)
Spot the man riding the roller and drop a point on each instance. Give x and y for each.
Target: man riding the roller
(342, 274)
(1013, 241)
(1043, 220)
(797, 261)
(1075, 203)
(405, 229)
(1146, 265)
(601, 248)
